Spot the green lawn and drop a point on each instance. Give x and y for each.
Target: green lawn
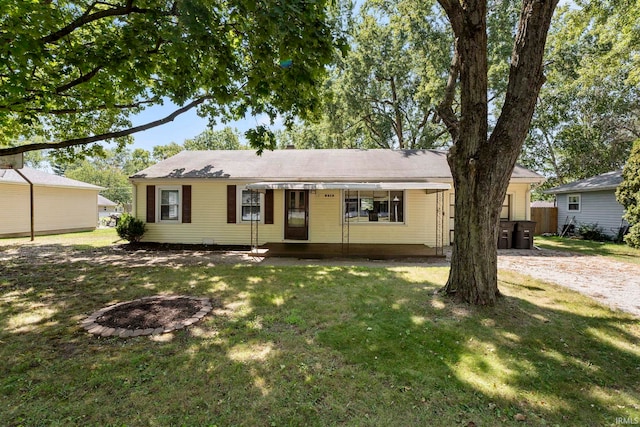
(620, 252)
(316, 345)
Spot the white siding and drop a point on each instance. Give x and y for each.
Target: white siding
(14, 214)
(209, 217)
(56, 209)
(596, 207)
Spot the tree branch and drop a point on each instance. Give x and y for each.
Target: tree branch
(110, 135)
(454, 12)
(445, 108)
(82, 79)
(87, 18)
(63, 111)
(526, 76)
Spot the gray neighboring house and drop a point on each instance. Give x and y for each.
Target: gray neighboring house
(106, 207)
(591, 201)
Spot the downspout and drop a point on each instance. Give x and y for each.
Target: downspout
(30, 202)
(134, 200)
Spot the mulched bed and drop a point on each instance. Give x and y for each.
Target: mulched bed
(143, 314)
(147, 316)
(151, 246)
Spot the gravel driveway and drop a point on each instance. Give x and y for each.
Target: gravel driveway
(613, 283)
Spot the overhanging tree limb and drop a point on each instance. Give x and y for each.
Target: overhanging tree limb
(86, 18)
(104, 136)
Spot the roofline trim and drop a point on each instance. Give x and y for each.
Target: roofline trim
(349, 186)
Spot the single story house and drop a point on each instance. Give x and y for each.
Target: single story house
(590, 201)
(60, 204)
(106, 207)
(333, 196)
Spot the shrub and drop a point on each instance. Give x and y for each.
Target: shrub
(592, 232)
(633, 237)
(130, 228)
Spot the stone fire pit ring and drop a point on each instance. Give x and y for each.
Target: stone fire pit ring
(153, 315)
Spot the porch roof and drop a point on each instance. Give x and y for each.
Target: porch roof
(349, 186)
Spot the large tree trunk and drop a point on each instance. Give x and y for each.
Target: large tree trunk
(473, 274)
(481, 165)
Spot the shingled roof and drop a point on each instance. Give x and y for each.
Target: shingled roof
(312, 165)
(41, 178)
(605, 181)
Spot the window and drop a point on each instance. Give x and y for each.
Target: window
(250, 205)
(573, 202)
(374, 206)
(169, 199)
(505, 212)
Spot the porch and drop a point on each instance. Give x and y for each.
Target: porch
(352, 250)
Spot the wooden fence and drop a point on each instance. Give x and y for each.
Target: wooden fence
(546, 220)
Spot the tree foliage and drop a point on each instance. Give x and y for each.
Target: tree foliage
(107, 172)
(75, 72)
(225, 139)
(163, 152)
(383, 91)
(587, 113)
(386, 80)
(628, 195)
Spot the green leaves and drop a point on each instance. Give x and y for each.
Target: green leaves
(628, 193)
(587, 112)
(73, 69)
(225, 139)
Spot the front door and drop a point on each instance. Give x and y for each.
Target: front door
(296, 214)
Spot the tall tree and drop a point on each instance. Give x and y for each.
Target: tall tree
(481, 160)
(628, 194)
(385, 75)
(105, 170)
(163, 152)
(112, 178)
(224, 139)
(586, 118)
(383, 92)
(75, 71)
(138, 160)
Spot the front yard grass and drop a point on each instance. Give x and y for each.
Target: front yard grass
(618, 251)
(316, 345)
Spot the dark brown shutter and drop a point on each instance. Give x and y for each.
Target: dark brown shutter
(186, 203)
(268, 207)
(151, 203)
(231, 204)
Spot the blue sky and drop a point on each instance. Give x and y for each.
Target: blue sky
(185, 126)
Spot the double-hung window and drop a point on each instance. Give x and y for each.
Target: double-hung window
(169, 204)
(374, 206)
(573, 203)
(250, 205)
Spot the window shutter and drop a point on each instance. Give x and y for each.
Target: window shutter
(231, 204)
(186, 203)
(268, 207)
(151, 203)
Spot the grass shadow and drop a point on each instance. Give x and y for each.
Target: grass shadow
(316, 345)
